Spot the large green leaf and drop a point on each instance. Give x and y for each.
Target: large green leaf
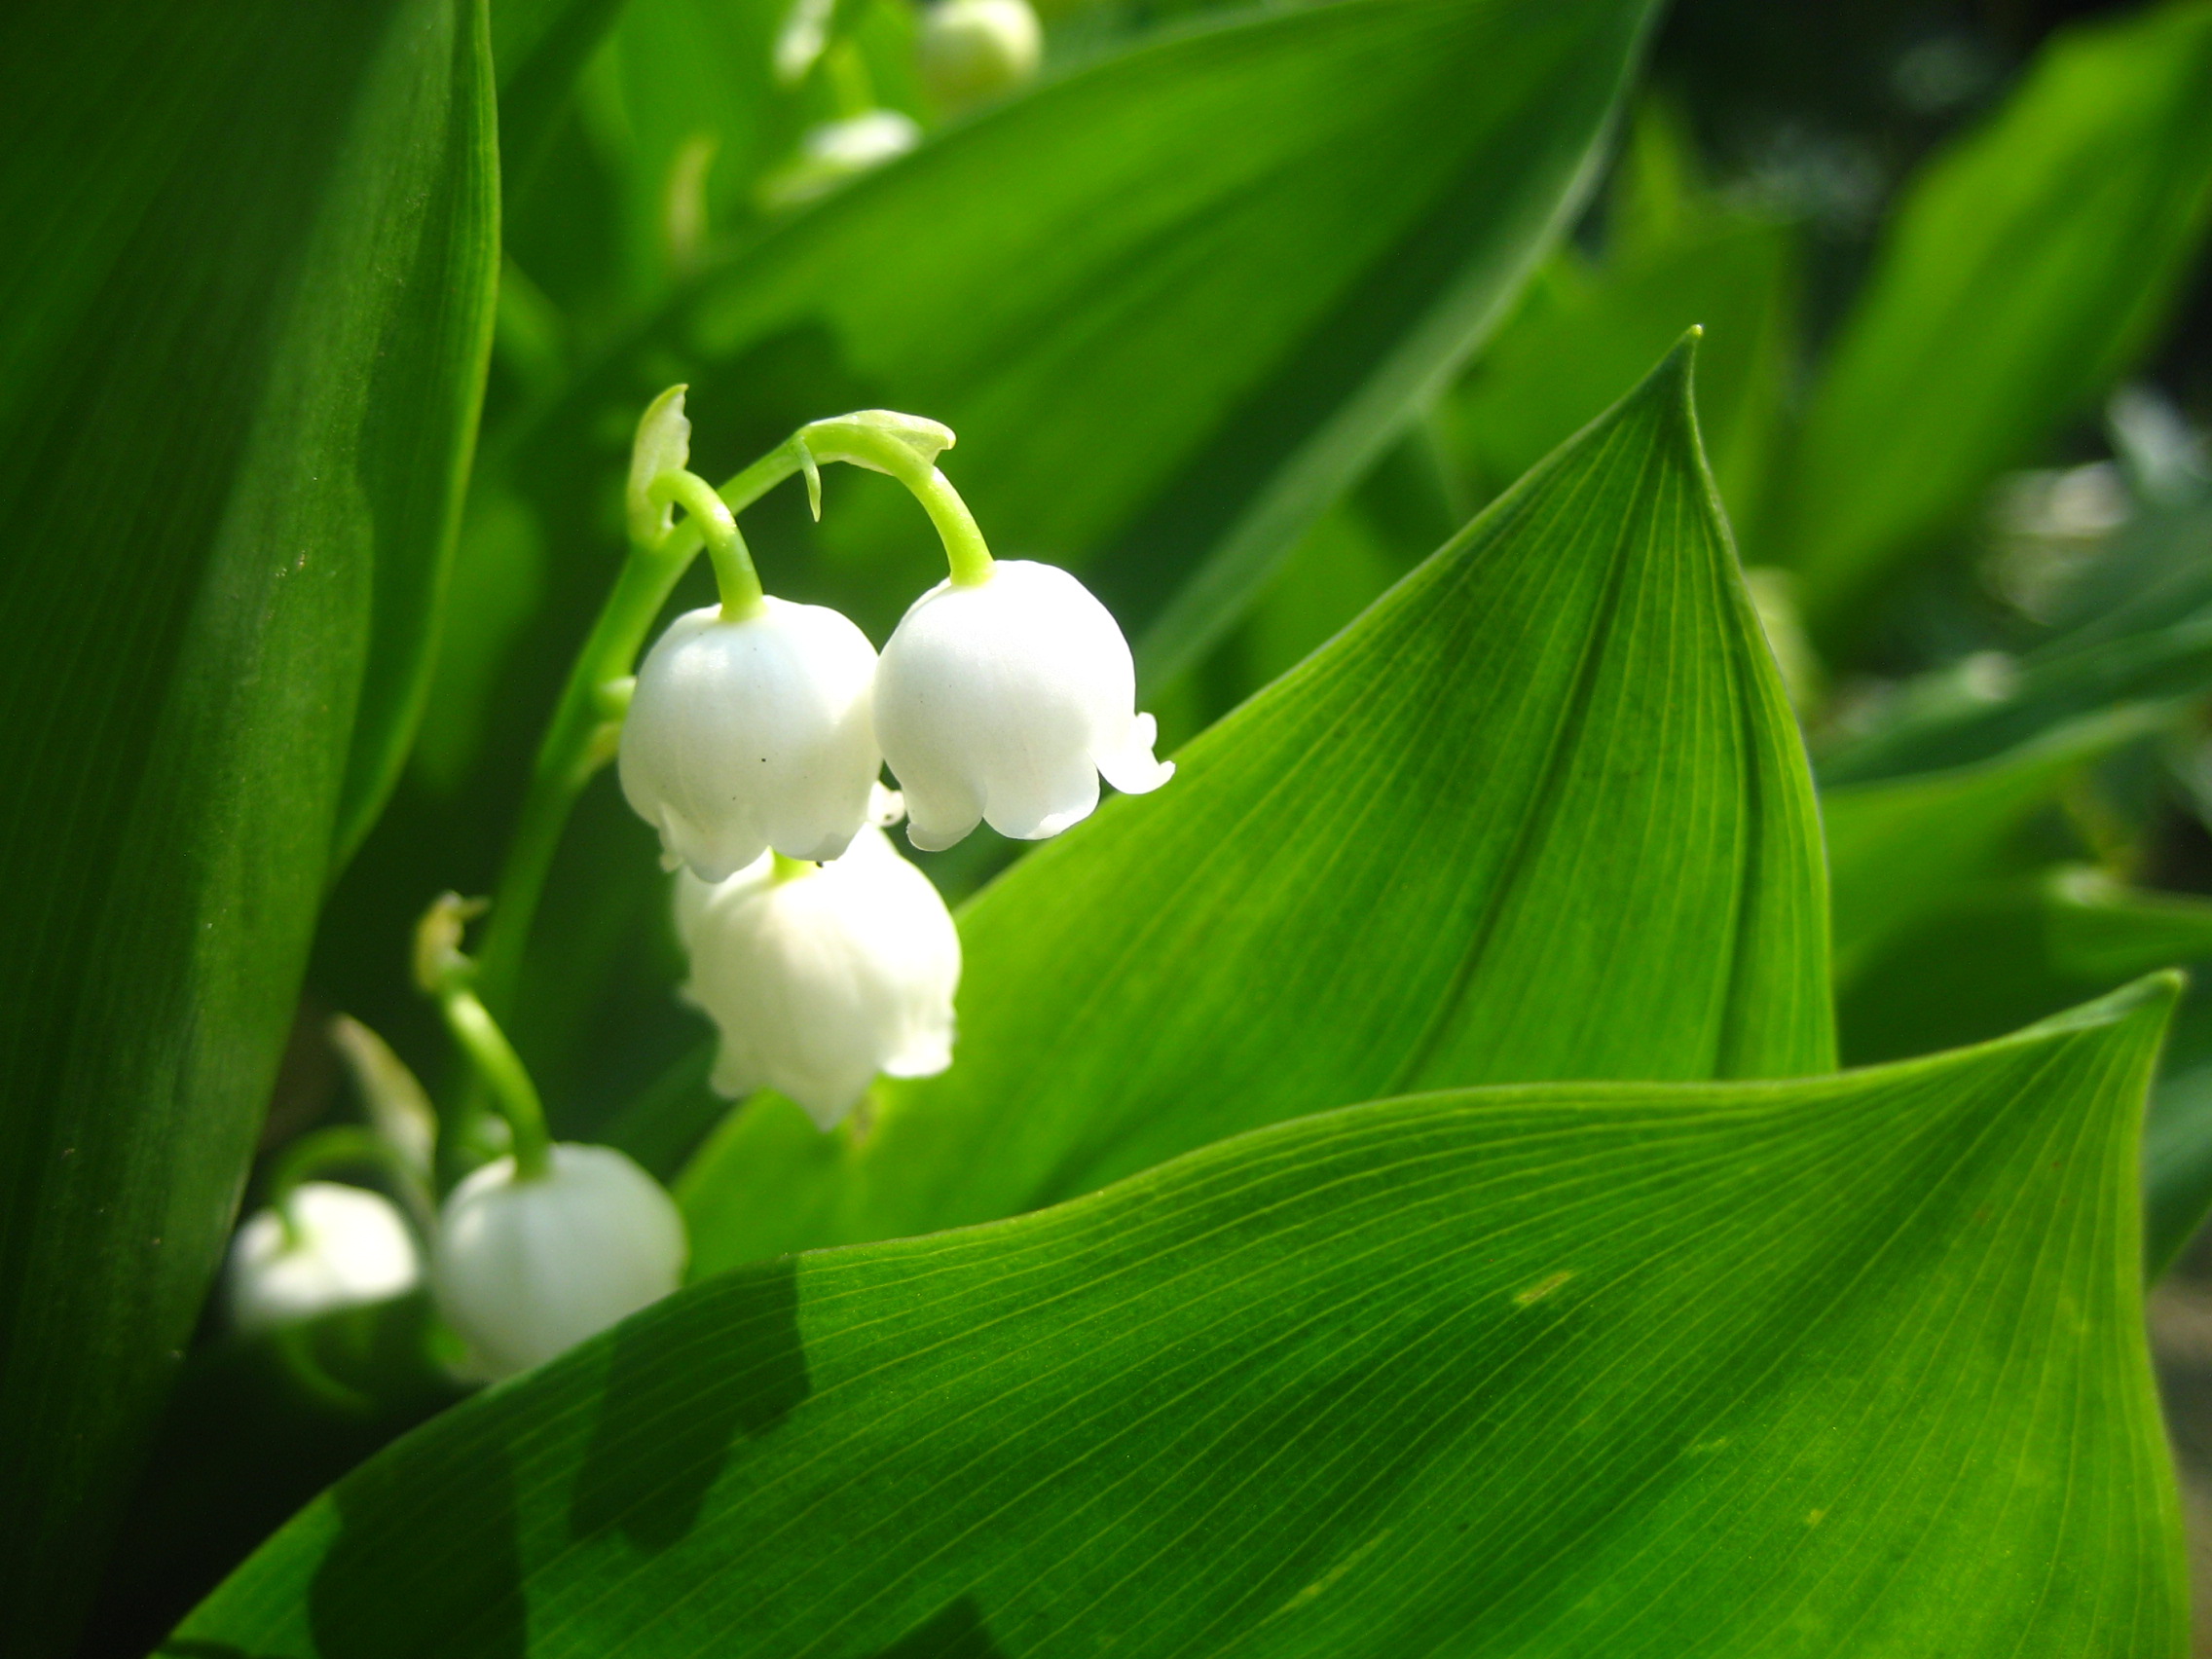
(539, 48)
(1852, 1364)
(1174, 302)
(1541, 814)
(245, 261)
(1904, 848)
(1674, 257)
(2025, 269)
(2001, 950)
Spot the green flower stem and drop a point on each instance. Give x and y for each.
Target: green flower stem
(502, 1069)
(734, 574)
(332, 1148)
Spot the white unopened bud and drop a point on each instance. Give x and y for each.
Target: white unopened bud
(347, 1247)
(968, 50)
(831, 154)
(526, 1269)
(820, 978)
(1005, 701)
(750, 734)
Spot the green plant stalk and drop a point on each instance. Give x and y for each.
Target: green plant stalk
(502, 1070)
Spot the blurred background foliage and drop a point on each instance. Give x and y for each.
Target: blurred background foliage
(1955, 388)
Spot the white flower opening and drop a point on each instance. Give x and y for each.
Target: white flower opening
(1003, 701)
(526, 1269)
(819, 979)
(750, 734)
(348, 1246)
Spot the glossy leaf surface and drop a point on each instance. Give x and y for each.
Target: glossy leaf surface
(2023, 272)
(1541, 813)
(1175, 303)
(1849, 1364)
(245, 257)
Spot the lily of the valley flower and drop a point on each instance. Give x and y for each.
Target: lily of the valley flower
(753, 734)
(968, 50)
(820, 978)
(526, 1269)
(1003, 700)
(344, 1246)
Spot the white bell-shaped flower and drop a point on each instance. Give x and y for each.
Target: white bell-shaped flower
(525, 1269)
(968, 51)
(750, 734)
(347, 1247)
(820, 978)
(1003, 701)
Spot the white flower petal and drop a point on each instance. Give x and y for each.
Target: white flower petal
(752, 734)
(1003, 702)
(526, 1269)
(353, 1248)
(820, 981)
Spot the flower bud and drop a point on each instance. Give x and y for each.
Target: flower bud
(970, 51)
(1003, 701)
(348, 1246)
(822, 978)
(750, 734)
(831, 154)
(526, 1269)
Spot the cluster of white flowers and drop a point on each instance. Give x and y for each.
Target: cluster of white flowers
(753, 740)
(754, 743)
(967, 54)
(521, 1270)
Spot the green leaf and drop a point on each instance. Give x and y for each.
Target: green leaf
(1904, 848)
(1541, 813)
(1852, 1364)
(1175, 303)
(245, 306)
(540, 46)
(2026, 269)
(1675, 259)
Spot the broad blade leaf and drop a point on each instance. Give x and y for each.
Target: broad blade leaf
(1541, 813)
(1904, 848)
(2025, 269)
(539, 48)
(1852, 1364)
(247, 275)
(1174, 304)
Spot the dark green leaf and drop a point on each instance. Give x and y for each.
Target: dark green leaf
(1852, 1364)
(246, 262)
(1675, 259)
(2025, 269)
(1541, 813)
(539, 48)
(1904, 848)
(1175, 303)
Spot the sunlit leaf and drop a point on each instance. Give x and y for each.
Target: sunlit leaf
(1847, 1364)
(1174, 302)
(1543, 813)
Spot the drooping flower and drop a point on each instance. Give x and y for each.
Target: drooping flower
(346, 1246)
(1003, 700)
(524, 1269)
(753, 734)
(820, 978)
(968, 50)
